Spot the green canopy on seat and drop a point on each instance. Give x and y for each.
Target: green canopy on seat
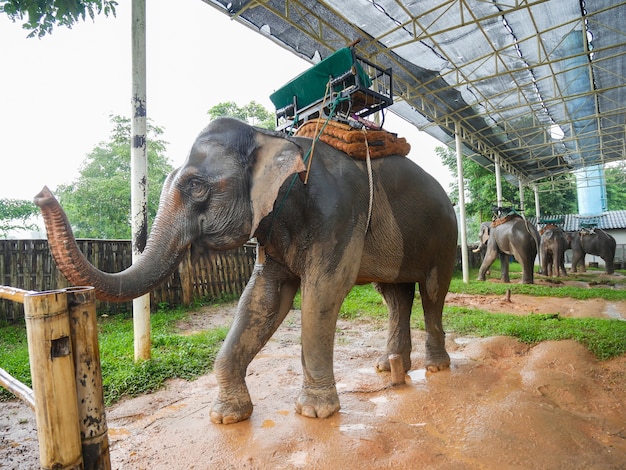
(310, 85)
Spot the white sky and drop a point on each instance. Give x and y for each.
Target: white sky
(57, 93)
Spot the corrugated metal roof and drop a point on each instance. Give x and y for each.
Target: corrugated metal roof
(538, 86)
(572, 222)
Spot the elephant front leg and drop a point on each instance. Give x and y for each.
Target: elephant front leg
(263, 306)
(399, 300)
(490, 257)
(320, 308)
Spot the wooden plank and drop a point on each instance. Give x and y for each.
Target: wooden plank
(17, 388)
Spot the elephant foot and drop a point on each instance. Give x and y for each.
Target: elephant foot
(437, 361)
(318, 402)
(382, 363)
(232, 408)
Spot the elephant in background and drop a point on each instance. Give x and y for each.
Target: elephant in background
(341, 226)
(595, 242)
(552, 249)
(511, 235)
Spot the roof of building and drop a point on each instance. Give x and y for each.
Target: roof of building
(609, 220)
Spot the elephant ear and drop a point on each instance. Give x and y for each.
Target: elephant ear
(275, 159)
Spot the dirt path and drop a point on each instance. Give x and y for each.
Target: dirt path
(502, 404)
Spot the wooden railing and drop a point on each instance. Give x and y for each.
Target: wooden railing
(28, 264)
(67, 395)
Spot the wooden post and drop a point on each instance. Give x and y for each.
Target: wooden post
(54, 386)
(184, 270)
(88, 373)
(397, 369)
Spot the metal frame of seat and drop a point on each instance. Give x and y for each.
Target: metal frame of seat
(343, 86)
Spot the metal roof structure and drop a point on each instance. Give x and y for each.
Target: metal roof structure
(538, 86)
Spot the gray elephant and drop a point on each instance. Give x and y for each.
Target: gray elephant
(595, 242)
(393, 226)
(506, 236)
(552, 248)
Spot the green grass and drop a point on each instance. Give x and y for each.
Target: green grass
(173, 354)
(605, 287)
(604, 338)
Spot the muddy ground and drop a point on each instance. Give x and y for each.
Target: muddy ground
(502, 404)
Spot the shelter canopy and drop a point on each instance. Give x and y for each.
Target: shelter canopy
(537, 85)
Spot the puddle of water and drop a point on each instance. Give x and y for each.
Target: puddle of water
(612, 312)
(379, 400)
(417, 375)
(299, 459)
(352, 427)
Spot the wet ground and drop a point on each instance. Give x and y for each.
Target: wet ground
(502, 404)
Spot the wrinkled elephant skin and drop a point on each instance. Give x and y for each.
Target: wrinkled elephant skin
(514, 237)
(240, 182)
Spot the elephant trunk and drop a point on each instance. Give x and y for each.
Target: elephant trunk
(156, 263)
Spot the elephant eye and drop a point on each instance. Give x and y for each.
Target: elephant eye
(197, 188)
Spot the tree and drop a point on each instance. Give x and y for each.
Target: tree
(98, 202)
(615, 177)
(480, 186)
(14, 215)
(42, 15)
(253, 113)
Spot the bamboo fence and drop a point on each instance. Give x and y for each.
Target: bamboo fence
(28, 264)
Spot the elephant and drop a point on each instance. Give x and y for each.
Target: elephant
(552, 248)
(322, 233)
(510, 235)
(595, 242)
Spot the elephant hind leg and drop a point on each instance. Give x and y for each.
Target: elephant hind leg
(399, 300)
(437, 357)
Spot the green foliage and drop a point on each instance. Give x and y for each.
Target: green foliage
(42, 15)
(363, 300)
(480, 186)
(14, 355)
(173, 354)
(14, 214)
(98, 202)
(615, 177)
(253, 113)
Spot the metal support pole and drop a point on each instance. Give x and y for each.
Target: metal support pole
(462, 222)
(537, 206)
(521, 195)
(498, 182)
(139, 176)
